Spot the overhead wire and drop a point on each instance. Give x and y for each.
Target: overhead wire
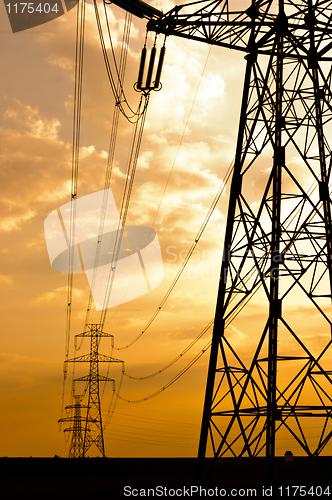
(183, 134)
(111, 150)
(160, 202)
(144, 111)
(132, 164)
(111, 409)
(119, 94)
(75, 164)
(179, 356)
(179, 435)
(79, 57)
(150, 420)
(122, 65)
(138, 131)
(193, 361)
(124, 212)
(206, 220)
(126, 196)
(153, 433)
(76, 135)
(144, 441)
(229, 320)
(174, 379)
(186, 260)
(110, 160)
(170, 173)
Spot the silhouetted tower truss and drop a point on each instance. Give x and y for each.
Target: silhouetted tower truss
(278, 241)
(76, 443)
(93, 426)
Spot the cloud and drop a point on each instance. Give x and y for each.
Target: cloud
(20, 372)
(58, 292)
(36, 127)
(8, 280)
(14, 223)
(58, 193)
(185, 333)
(36, 166)
(235, 336)
(31, 154)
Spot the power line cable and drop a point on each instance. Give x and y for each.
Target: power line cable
(208, 326)
(142, 107)
(170, 173)
(186, 260)
(174, 379)
(79, 53)
(179, 435)
(183, 134)
(229, 320)
(132, 164)
(119, 95)
(124, 215)
(149, 420)
(128, 433)
(108, 436)
(138, 130)
(111, 410)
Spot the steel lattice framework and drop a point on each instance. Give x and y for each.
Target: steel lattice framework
(91, 432)
(277, 250)
(76, 443)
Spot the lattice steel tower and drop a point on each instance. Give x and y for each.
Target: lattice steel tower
(76, 431)
(88, 430)
(278, 250)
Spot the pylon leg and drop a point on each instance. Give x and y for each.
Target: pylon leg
(277, 251)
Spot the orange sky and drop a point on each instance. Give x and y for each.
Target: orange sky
(36, 128)
(36, 94)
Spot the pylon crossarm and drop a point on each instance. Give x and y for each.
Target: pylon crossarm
(137, 7)
(98, 333)
(88, 378)
(216, 23)
(100, 358)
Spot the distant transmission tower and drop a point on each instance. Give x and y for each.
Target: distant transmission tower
(83, 437)
(76, 443)
(278, 241)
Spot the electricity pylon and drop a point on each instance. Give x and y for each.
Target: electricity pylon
(278, 242)
(76, 443)
(92, 432)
